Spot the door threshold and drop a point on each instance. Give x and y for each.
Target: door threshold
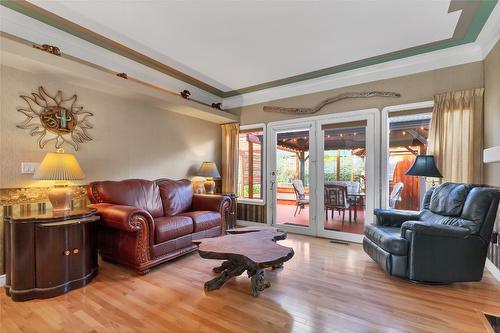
(336, 241)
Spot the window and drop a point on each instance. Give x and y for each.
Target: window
(251, 163)
(408, 133)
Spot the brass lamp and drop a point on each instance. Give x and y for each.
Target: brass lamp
(61, 167)
(210, 172)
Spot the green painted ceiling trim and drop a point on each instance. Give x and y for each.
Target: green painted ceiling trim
(76, 30)
(480, 17)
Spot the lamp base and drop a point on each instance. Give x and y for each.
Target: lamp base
(60, 198)
(209, 185)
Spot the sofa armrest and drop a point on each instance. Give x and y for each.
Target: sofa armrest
(125, 218)
(214, 203)
(433, 229)
(394, 217)
(210, 202)
(443, 253)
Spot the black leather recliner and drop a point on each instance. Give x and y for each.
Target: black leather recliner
(445, 242)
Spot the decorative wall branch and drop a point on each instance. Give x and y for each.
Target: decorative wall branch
(55, 119)
(330, 100)
(49, 48)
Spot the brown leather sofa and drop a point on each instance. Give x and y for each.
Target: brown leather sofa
(145, 223)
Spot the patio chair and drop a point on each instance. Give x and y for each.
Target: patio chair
(300, 196)
(336, 199)
(395, 194)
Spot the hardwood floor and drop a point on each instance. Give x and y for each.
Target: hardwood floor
(326, 287)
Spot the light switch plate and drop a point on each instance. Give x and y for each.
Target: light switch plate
(29, 167)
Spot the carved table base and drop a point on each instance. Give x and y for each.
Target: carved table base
(244, 256)
(230, 269)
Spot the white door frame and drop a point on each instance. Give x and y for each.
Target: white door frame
(272, 130)
(384, 154)
(314, 228)
(372, 116)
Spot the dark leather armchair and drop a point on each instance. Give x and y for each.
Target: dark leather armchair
(445, 242)
(145, 223)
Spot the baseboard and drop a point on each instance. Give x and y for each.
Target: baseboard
(2, 280)
(494, 270)
(249, 223)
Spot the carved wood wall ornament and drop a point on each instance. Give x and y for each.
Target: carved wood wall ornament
(49, 48)
(55, 119)
(330, 100)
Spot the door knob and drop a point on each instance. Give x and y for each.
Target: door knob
(67, 252)
(75, 251)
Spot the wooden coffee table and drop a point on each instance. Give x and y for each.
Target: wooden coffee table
(250, 249)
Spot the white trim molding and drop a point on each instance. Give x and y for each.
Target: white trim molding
(491, 155)
(490, 34)
(2, 280)
(452, 56)
(494, 270)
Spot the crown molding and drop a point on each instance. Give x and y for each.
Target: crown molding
(29, 24)
(490, 34)
(27, 28)
(453, 56)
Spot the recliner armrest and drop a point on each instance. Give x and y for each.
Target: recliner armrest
(126, 218)
(210, 202)
(394, 217)
(434, 229)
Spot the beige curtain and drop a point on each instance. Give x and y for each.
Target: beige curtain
(230, 157)
(456, 135)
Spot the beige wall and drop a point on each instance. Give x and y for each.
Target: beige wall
(413, 88)
(131, 140)
(492, 111)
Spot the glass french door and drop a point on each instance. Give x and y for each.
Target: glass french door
(323, 174)
(347, 181)
(292, 177)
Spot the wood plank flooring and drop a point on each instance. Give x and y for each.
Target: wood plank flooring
(325, 288)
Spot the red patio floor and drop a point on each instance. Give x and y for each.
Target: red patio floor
(286, 209)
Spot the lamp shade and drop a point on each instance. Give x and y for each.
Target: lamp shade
(209, 169)
(59, 166)
(424, 166)
(491, 155)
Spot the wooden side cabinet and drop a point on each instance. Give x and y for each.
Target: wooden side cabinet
(48, 255)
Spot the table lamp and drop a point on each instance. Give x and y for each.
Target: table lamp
(424, 166)
(61, 167)
(209, 171)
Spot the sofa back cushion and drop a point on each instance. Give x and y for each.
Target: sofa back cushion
(448, 199)
(477, 206)
(139, 193)
(176, 195)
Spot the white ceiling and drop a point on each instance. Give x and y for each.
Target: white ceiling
(233, 45)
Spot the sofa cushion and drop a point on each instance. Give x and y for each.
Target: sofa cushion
(204, 220)
(448, 199)
(140, 193)
(170, 227)
(176, 195)
(388, 238)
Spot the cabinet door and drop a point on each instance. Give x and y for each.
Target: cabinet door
(83, 257)
(52, 262)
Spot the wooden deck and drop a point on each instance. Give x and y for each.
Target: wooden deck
(325, 288)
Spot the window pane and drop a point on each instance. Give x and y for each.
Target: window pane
(407, 138)
(250, 166)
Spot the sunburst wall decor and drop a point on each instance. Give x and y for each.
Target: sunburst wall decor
(55, 119)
